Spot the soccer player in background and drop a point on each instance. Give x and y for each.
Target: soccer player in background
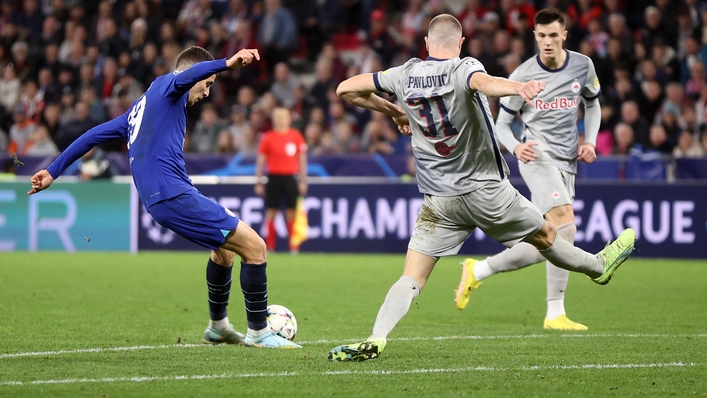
(460, 171)
(284, 150)
(548, 156)
(154, 128)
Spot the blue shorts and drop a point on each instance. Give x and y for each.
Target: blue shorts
(195, 217)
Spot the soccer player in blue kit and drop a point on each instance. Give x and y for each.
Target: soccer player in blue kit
(154, 128)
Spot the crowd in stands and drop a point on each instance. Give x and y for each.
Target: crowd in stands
(68, 65)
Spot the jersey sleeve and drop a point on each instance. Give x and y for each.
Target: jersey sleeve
(387, 80)
(183, 81)
(466, 70)
(263, 145)
(116, 128)
(513, 103)
(592, 88)
(301, 143)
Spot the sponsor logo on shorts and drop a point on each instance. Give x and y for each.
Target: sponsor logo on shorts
(556, 195)
(444, 149)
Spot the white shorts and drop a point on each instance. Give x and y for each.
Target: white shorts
(497, 208)
(549, 186)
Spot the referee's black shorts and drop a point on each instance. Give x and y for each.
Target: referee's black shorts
(281, 187)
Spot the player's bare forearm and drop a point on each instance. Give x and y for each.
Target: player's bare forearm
(359, 90)
(500, 87)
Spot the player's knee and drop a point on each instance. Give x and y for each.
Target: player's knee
(222, 257)
(257, 251)
(545, 236)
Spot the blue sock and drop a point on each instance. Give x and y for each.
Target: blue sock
(218, 279)
(254, 283)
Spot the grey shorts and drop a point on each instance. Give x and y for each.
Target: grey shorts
(498, 209)
(549, 186)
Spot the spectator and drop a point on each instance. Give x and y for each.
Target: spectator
(29, 21)
(133, 87)
(32, 100)
(236, 14)
(108, 79)
(664, 58)
(694, 84)
(42, 144)
(687, 147)
(21, 131)
(51, 59)
(120, 104)
(73, 129)
(382, 38)
(313, 138)
(10, 87)
(50, 119)
(324, 81)
(205, 135)
(50, 89)
(24, 67)
(598, 38)
(639, 126)
(703, 142)
(624, 139)
(99, 26)
(659, 140)
(194, 14)
(284, 85)
(619, 31)
(688, 119)
(96, 110)
(277, 33)
(239, 129)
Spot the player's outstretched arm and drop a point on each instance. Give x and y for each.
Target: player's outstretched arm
(116, 128)
(501, 87)
(359, 90)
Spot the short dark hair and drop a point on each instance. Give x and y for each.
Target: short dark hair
(548, 16)
(191, 56)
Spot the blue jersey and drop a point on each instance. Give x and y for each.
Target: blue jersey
(154, 128)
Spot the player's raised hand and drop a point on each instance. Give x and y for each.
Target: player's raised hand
(530, 90)
(40, 181)
(587, 153)
(524, 152)
(243, 58)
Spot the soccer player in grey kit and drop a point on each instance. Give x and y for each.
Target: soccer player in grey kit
(460, 171)
(548, 156)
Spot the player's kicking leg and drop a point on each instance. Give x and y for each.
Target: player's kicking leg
(549, 244)
(245, 242)
(397, 303)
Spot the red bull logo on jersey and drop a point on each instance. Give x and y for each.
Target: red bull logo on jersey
(557, 103)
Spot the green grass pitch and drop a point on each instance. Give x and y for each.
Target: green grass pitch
(120, 325)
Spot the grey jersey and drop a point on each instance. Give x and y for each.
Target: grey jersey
(453, 136)
(552, 120)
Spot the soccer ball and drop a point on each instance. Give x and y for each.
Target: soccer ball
(282, 321)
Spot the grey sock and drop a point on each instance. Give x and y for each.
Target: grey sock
(396, 305)
(557, 277)
(519, 256)
(564, 255)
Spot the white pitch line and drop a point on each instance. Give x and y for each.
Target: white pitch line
(436, 338)
(141, 379)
